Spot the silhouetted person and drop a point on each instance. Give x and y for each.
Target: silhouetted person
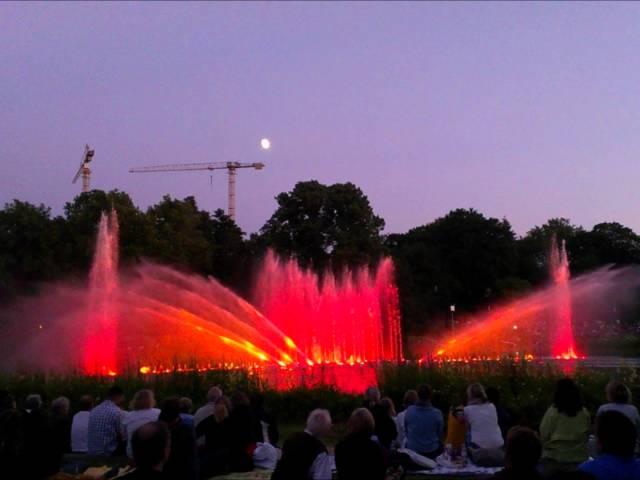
(357, 456)
(410, 398)
(11, 437)
(105, 433)
(215, 453)
(423, 425)
(244, 431)
(304, 456)
(504, 417)
(619, 399)
(213, 396)
(80, 425)
(564, 430)
(186, 407)
(616, 436)
(181, 463)
(522, 455)
(151, 445)
(60, 423)
(39, 456)
(269, 425)
(385, 427)
(143, 411)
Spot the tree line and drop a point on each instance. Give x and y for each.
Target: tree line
(463, 258)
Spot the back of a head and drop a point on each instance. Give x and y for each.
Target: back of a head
(186, 405)
(616, 434)
(493, 395)
(86, 403)
(33, 402)
(214, 394)
(618, 392)
(143, 400)
(170, 410)
(410, 398)
(424, 393)
(150, 443)
(372, 395)
(60, 407)
(319, 422)
(240, 399)
(7, 402)
(388, 406)
(361, 422)
(523, 449)
(115, 393)
(567, 398)
(476, 393)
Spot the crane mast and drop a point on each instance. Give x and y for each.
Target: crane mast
(84, 170)
(230, 167)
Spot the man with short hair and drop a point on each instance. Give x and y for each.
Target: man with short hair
(304, 456)
(104, 424)
(151, 444)
(616, 436)
(423, 425)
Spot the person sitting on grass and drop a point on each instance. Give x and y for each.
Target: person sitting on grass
(105, 424)
(564, 430)
(410, 398)
(80, 425)
(186, 406)
(424, 425)
(385, 427)
(485, 440)
(357, 456)
(213, 396)
(181, 463)
(523, 451)
(151, 446)
(304, 456)
(616, 436)
(619, 397)
(143, 411)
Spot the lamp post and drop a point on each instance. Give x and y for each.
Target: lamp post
(452, 309)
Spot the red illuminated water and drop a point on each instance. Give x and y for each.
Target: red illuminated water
(155, 318)
(541, 324)
(350, 318)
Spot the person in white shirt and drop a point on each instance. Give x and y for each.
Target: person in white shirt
(213, 395)
(80, 426)
(619, 397)
(485, 437)
(143, 412)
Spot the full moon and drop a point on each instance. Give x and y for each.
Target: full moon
(265, 143)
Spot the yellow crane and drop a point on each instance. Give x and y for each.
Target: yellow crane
(230, 167)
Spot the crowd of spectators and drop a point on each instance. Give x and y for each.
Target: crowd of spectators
(238, 433)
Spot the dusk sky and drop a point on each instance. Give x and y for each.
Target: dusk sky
(525, 111)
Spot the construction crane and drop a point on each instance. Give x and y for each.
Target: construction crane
(231, 168)
(84, 169)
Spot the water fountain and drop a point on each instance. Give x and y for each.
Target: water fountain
(155, 318)
(540, 324)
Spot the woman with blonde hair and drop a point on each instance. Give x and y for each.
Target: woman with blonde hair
(143, 412)
(357, 455)
(485, 440)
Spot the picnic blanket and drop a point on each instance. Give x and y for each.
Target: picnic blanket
(469, 470)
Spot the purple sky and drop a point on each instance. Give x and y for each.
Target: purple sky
(520, 110)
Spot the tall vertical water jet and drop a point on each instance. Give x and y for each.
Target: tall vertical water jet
(102, 312)
(563, 345)
(349, 318)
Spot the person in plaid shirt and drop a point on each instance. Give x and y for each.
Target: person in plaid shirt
(104, 424)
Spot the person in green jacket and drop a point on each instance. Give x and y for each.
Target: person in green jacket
(564, 430)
